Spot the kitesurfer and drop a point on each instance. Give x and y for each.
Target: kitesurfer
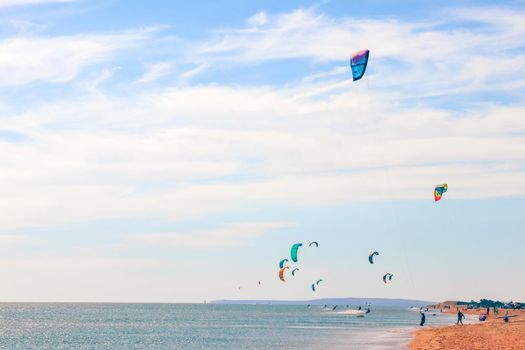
(423, 319)
(460, 317)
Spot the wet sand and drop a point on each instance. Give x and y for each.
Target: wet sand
(491, 334)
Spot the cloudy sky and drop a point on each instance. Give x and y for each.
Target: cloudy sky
(165, 151)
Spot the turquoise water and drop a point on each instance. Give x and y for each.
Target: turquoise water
(198, 326)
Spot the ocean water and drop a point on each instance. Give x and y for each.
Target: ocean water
(199, 326)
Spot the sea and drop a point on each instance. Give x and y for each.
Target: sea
(204, 326)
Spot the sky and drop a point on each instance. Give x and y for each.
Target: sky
(173, 151)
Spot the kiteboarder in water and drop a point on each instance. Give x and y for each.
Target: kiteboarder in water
(423, 319)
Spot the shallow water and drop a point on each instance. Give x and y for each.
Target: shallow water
(198, 326)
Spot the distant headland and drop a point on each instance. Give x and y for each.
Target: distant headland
(385, 302)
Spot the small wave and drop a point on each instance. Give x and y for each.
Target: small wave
(315, 327)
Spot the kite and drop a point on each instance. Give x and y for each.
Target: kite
(293, 251)
(281, 263)
(316, 284)
(293, 271)
(389, 276)
(314, 242)
(439, 190)
(358, 64)
(371, 257)
(281, 273)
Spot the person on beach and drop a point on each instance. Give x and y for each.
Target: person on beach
(460, 317)
(423, 319)
(506, 317)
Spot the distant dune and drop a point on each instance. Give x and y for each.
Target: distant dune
(332, 301)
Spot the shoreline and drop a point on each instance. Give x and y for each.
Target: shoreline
(494, 333)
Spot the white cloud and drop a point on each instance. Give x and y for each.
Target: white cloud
(194, 71)
(415, 57)
(258, 19)
(231, 235)
(154, 72)
(57, 59)
(187, 151)
(505, 20)
(305, 33)
(177, 152)
(167, 153)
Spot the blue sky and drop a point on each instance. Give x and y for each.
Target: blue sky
(171, 152)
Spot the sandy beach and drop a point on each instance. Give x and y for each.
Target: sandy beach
(492, 334)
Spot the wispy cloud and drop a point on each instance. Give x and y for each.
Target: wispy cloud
(231, 235)
(418, 57)
(246, 146)
(154, 72)
(185, 76)
(100, 127)
(182, 151)
(58, 59)
(258, 19)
